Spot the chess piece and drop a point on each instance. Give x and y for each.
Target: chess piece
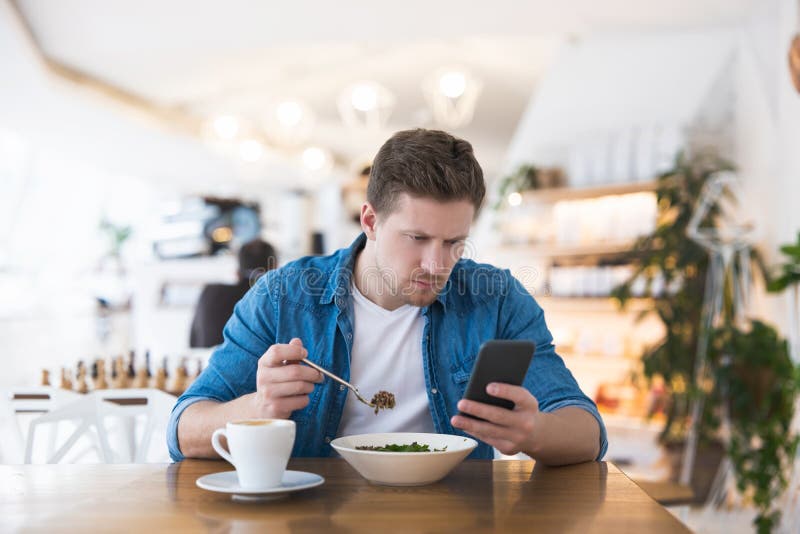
(142, 377)
(80, 385)
(143, 373)
(131, 368)
(66, 379)
(100, 380)
(45, 377)
(122, 373)
(160, 381)
(116, 376)
(178, 384)
(119, 376)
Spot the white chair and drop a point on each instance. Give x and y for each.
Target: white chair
(91, 414)
(17, 404)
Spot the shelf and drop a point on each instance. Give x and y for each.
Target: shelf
(597, 359)
(591, 370)
(540, 250)
(629, 422)
(578, 193)
(593, 304)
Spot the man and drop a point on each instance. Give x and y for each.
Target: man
(216, 301)
(398, 311)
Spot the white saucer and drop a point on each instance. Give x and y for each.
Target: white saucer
(228, 482)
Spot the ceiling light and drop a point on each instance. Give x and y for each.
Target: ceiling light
(452, 94)
(290, 124)
(515, 199)
(226, 127)
(316, 159)
(251, 150)
(452, 84)
(366, 104)
(364, 97)
(289, 113)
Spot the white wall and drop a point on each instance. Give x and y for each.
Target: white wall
(53, 114)
(68, 159)
(614, 81)
(768, 134)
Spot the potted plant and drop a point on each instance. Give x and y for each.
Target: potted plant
(527, 177)
(750, 366)
(787, 276)
(683, 265)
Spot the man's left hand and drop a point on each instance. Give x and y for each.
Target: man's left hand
(508, 431)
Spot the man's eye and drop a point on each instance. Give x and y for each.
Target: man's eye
(417, 237)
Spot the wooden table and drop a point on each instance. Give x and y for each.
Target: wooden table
(479, 495)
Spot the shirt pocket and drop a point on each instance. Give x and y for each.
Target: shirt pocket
(461, 370)
(305, 414)
(319, 353)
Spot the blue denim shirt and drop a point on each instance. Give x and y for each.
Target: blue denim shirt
(310, 299)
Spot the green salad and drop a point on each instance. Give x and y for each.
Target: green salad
(394, 447)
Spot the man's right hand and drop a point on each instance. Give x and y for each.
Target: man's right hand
(283, 384)
(281, 388)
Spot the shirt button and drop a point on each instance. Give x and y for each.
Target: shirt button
(327, 439)
(341, 387)
(434, 391)
(349, 337)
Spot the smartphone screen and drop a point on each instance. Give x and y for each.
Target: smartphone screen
(499, 360)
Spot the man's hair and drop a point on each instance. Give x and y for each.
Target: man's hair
(425, 163)
(256, 257)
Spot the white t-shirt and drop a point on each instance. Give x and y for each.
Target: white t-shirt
(386, 355)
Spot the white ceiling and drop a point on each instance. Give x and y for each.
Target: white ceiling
(205, 57)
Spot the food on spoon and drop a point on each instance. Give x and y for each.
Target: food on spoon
(394, 447)
(383, 400)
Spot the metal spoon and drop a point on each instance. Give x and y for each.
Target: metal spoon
(342, 382)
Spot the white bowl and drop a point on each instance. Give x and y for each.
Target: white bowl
(404, 468)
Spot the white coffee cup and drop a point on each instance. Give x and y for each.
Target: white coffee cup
(259, 449)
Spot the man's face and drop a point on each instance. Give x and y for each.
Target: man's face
(417, 245)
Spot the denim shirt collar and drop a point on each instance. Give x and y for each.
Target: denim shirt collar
(342, 273)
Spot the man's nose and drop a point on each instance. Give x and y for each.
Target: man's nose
(433, 260)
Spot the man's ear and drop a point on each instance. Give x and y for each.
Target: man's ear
(369, 220)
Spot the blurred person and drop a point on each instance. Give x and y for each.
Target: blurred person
(402, 311)
(216, 302)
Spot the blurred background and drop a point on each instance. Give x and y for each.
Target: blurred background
(143, 143)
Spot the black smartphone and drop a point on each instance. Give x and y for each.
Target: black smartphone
(499, 360)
